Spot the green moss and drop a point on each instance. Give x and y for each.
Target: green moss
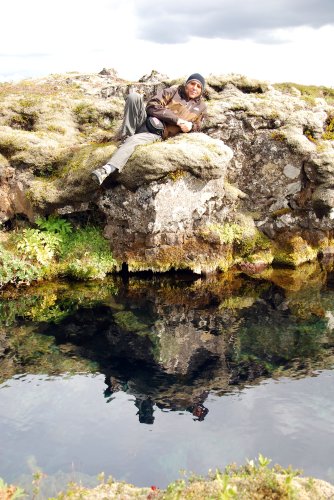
(310, 100)
(308, 91)
(33, 254)
(310, 135)
(254, 244)
(86, 254)
(280, 212)
(93, 154)
(129, 322)
(56, 128)
(329, 131)
(228, 233)
(293, 251)
(176, 175)
(29, 101)
(278, 136)
(11, 142)
(24, 121)
(86, 113)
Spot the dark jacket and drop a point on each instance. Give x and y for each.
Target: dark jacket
(171, 104)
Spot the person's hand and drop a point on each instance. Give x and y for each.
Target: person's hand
(184, 125)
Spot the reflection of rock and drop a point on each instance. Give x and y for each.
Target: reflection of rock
(187, 338)
(170, 342)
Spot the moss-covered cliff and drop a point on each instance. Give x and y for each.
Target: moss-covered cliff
(256, 188)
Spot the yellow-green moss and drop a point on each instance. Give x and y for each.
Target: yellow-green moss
(227, 233)
(91, 153)
(329, 131)
(277, 135)
(129, 322)
(294, 251)
(310, 135)
(307, 91)
(282, 211)
(176, 175)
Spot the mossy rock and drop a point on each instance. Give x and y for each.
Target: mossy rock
(195, 153)
(72, 183)
(294, 251)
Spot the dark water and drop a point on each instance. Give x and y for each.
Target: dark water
(142, 378)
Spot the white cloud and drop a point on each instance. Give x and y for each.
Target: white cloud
(79, 35)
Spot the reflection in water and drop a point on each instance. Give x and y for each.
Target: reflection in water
(163, 348)
(171, 341)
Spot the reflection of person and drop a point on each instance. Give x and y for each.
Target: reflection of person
(145, 410)
(199, 411)
(173, 110)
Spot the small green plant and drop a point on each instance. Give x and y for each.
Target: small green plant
(86, 255)
(175, 490)
(38, 245)
(10, 492)
(263, 461)
(226, 490)
(54, 225)
(37, 479)
(16, 270)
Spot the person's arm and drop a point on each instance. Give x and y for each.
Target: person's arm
(198, 123)
(157, 106)
(194, 126)
(184, 125)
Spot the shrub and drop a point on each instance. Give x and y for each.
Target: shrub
(16, 270)
(55, 249)
(54, 225)
(86, 255)
(39, 246)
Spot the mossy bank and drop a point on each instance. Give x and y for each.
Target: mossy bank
(254, 189)
(253, 481)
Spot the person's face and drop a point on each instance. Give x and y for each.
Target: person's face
(193, 89)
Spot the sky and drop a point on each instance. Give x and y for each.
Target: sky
(272, 40)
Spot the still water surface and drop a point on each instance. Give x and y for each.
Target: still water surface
(144, 378)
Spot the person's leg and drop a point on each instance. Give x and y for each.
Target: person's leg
(134, 114)
(122, 154)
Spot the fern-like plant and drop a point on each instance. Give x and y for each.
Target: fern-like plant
(40, 246)
(54, 224)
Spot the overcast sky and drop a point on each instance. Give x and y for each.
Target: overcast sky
(275, 40)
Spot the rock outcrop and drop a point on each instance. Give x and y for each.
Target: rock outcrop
(256, 187)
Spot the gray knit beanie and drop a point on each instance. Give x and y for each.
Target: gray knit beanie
(198, 78)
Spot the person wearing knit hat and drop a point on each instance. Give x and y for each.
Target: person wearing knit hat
(173, 110)
(197, 78)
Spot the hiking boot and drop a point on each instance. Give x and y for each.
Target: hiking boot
(100, 174)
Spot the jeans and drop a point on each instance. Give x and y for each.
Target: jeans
(134, 126)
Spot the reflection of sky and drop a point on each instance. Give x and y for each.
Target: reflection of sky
(64, 424)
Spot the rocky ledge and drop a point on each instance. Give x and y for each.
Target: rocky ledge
(255, 187)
